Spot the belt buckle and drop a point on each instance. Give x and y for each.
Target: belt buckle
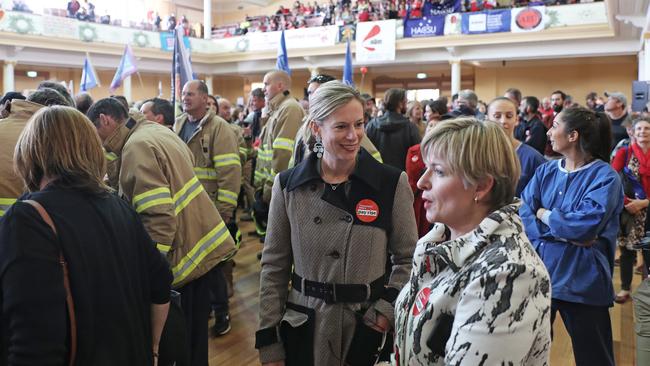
(330, 296)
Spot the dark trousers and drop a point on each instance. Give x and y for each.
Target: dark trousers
(195, 300)
(218, 290)
(590, 329)
(626, 265)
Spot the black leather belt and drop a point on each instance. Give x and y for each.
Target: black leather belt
(336, 293)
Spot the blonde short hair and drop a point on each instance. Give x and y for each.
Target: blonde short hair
(60, 142)
(475, 150)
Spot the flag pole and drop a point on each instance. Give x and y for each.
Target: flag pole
(140, 78)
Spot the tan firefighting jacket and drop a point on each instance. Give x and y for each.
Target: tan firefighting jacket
(215, 146)
(277, 140)
(11, 185)
(156, 175)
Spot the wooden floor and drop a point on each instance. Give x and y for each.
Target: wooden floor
(237, 347)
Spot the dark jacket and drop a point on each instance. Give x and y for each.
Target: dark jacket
(532, 133)
(393, 134)
(116, 273)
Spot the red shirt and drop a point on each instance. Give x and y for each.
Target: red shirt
(619, 163)
(414, 169)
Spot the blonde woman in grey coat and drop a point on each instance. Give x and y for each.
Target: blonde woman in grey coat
(335, 221)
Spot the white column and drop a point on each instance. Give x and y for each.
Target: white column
(207, 19)
(208, 82)
(8, 83)
(127, 89)
(455, 76)
(644, 62)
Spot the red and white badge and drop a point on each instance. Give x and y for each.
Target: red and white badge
(421, 301)
(367, 210)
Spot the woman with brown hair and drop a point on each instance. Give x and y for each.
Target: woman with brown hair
(118, 282)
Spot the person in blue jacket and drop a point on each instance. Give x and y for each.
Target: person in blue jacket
(570, 212)
(504, 111)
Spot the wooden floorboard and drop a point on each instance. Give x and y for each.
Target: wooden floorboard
(237, 347)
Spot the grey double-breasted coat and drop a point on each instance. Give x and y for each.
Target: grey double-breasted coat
(330, 236)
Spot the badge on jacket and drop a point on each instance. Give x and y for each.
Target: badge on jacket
(367, 210)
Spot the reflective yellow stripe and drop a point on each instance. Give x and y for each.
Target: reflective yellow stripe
(201, 249)
(227, 196)
(154, 197)
(163, 248)
(5, 203)
(226, 159)
(205, 173)
(237, 239)
(110, 156)
(190, 190)
(283, 143)
(264, 154)
(243, 150)
(377, 156)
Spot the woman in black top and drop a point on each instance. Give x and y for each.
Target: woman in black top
(119, 282)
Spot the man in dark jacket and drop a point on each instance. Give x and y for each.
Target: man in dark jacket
(465, 106)
(530, 129)
(393, 133)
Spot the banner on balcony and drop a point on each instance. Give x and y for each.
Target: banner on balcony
(167, 41)
(425, 27)
(442, 7)
(375, 41)
(452, 24)
(492, 21)
(532, 19)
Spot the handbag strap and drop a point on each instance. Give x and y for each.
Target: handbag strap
(66, 281)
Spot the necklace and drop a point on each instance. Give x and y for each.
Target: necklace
(334, 186)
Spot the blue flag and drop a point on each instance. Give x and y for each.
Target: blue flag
(89, 77)
(347, 69)
(126, 68)
(181, 67)
(283, 59)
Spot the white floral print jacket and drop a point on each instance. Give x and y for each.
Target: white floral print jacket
(481, 299)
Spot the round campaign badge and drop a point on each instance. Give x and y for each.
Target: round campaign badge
(367, 210)
(421, 301)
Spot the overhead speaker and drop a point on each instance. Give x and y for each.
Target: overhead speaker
(639, 95)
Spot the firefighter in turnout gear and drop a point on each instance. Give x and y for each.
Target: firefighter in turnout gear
(155, 174)
(215, 146)
(277, 140)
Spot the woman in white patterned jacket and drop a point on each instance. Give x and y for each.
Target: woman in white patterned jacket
(478, 292)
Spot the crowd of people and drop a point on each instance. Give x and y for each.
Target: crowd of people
(300, 15)
(348, 12)
(393, 231)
